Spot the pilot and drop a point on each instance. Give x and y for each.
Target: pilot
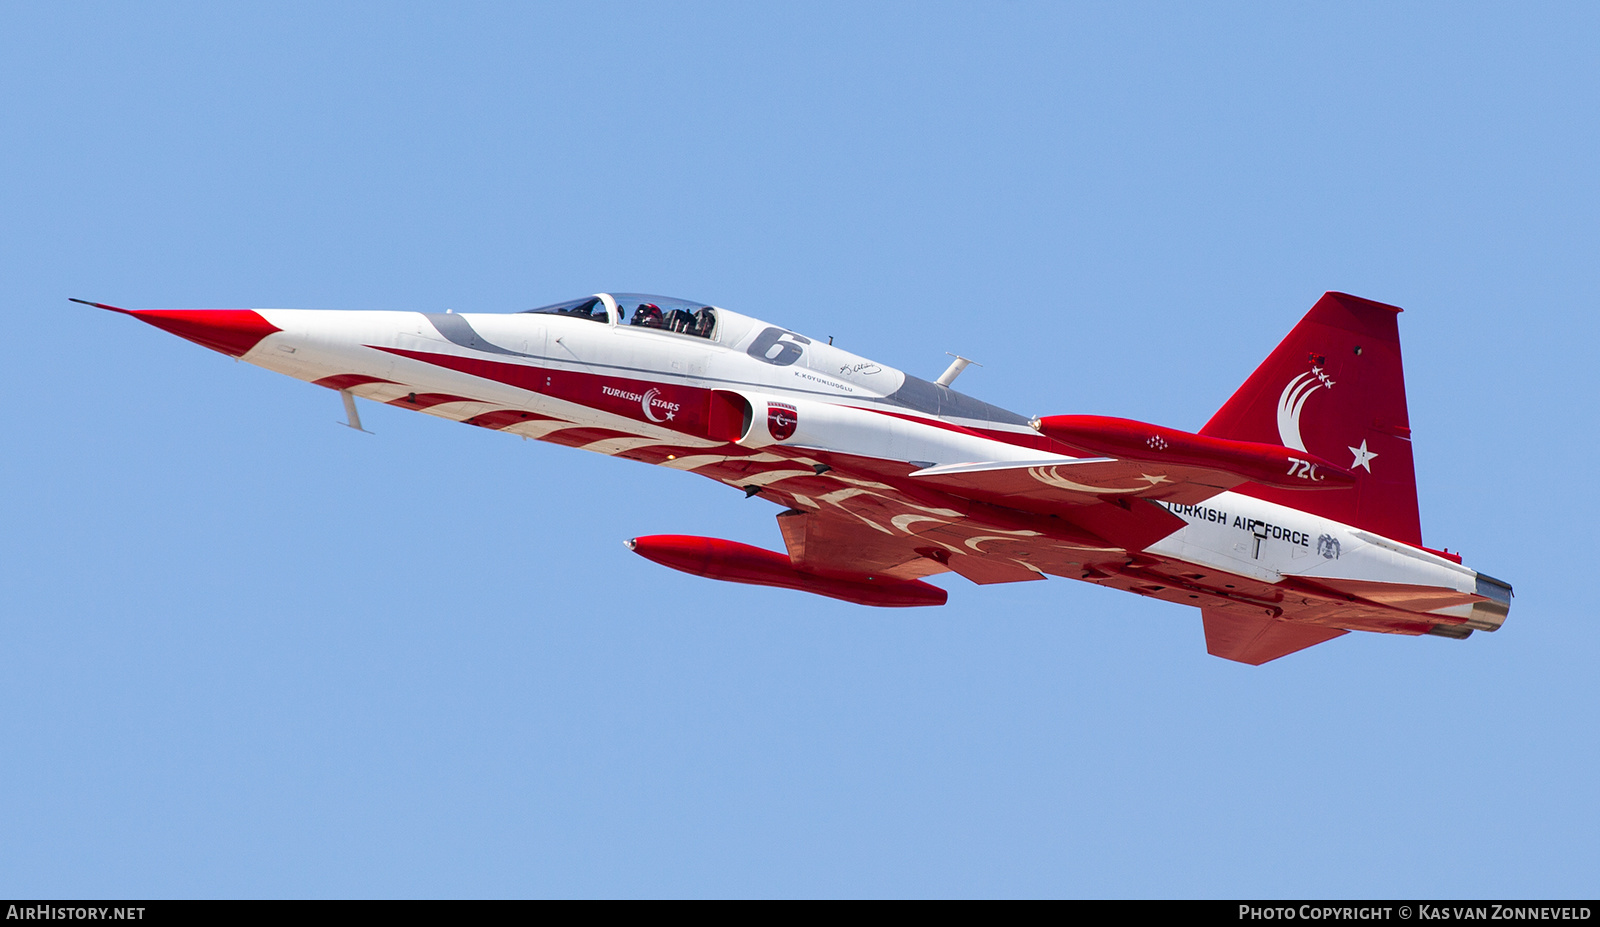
(648, 315)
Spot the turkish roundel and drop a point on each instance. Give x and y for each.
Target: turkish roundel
(781, 420)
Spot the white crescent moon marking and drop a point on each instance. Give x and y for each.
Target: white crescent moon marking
(903, 522)
(1290, 404)
(974, 542)
(1053, 478)
(652, 394)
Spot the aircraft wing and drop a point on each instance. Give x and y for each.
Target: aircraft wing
(832, 544)
(1053, 485)
(855, 526)
(845, 547)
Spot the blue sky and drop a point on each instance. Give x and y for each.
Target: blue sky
(251, 653)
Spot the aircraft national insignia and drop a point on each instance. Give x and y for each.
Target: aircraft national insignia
(781, 420)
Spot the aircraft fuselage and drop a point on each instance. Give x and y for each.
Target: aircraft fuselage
(884, 477)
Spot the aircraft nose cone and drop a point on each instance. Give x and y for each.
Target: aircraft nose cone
(231, 331)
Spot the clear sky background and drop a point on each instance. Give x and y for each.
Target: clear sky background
(250, 653)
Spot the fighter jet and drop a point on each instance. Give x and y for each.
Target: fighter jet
(1289, 519)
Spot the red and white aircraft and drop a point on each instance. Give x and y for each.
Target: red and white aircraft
(1289, 519)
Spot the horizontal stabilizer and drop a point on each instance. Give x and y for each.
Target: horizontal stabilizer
(1258, 638)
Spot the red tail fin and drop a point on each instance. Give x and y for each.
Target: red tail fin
(1334, 387)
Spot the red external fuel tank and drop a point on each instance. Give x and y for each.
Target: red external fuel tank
(715, 558)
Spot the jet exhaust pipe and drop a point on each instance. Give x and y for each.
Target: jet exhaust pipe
(730, 561)
(1268, 464)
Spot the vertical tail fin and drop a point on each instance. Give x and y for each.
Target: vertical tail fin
(1334, 387)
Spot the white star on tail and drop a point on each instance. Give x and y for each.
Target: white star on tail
(1363, 457)
(1154, 480)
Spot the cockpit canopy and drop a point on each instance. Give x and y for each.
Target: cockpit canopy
(661, 313)
(592, 308)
